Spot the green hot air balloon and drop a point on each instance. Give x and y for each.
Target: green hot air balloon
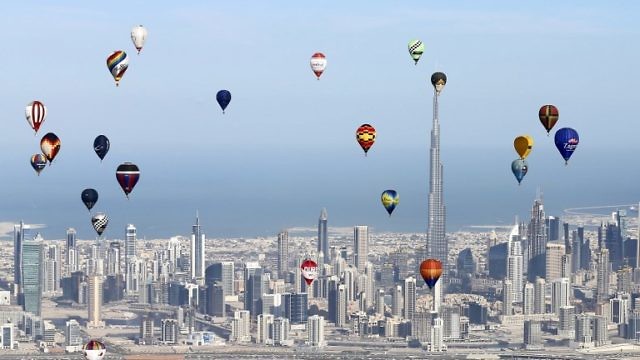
(416, 48)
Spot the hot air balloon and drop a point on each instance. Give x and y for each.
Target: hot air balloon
(416, 48)
(138, 36)
(89, 197)
(224, 98)
(366, 136)
(118, 62)
(100, 222)
(431, 269)
(438, 80)
(318, 64)
(101, 146)
(94, 350)
(38, 162)
(128, 175)
(390, 200)
(548, 115)
(36, 113)
(50, 146)
(523, 145)
(566, 140)
(309, 270)
(519, 167)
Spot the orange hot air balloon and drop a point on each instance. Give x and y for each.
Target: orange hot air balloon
(366, 136)
(431, 269)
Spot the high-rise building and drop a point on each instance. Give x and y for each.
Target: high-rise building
(341, 306)
(565, 237)
(265, 322)
(323, 237)
(71, 262)
(600, 330)
(409, 297)
(437, 336)
(114, 259)
(283, 255)
(554, 263)
(528, 302)
(7, 341)
(360, 247)
(611, 236)
(95, 301)
(620, 308)
(536, 242)
(560, 294)
(396, 301)
(21, 232)
(539, 302)
(147, 330)
(130, 242)
(553, 228)
(566, 325)
(253, 289)
(583, 330)
(451, 322)
(437, 247)
(197, 250)
(299, 307)
(215, 299)
(315, 331)
(169, 331)
(576, 252)
(380, 302)
(32, 271)
(222, 272)
(52, 269)
(515, 267)
(532, 334)
(73, 337)
(507, 298)
(625, 280)
(241, 326)
(602, 292)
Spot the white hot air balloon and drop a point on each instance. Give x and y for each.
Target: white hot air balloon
(318, 64)
(138, 36)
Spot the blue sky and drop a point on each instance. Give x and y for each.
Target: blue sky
(286, 146)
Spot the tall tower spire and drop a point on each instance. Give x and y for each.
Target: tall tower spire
(436, 243)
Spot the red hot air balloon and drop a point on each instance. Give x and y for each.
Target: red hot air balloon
(318, 64)
(431, 269)
(50, 146)
(366, 136)
(548, 115)
(309, 270)
(128, 175)
(35, 113)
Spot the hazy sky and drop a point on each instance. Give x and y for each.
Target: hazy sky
(286, 146)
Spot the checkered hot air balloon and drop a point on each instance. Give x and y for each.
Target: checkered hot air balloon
(100, 222)
(36, 113)
(416, 49)
(548, 115)
(318, 64)
(366, 136)
(118, 63)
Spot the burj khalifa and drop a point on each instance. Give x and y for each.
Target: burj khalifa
(436, 242)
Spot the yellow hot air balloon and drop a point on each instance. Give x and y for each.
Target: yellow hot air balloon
(523, 145)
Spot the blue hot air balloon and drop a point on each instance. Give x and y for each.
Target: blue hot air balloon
(224, 98)
(389, 200)
(89, 198)
(519, 168)
(566, 140)
(101, 146)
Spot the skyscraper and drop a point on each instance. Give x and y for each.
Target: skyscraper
(323, 237)
(602, 289)
(539, 301)
(409, 297)
(72, 252)
(554, 261)
(32, 271)
(437, 247)
(507, 298)
(537, 242)
(283, 255)
(528, 299)
(360, 246)
(560, 294)
(241, 326)
(315, 331)
(95, 301)
(197, 251)
(52, 269)
(130, 241)
(21, 232)
(396, 301)
(73, 337)
(514, 264)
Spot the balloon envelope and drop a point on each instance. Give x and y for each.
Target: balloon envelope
(366, 136)
(318, 64)
(100, 222)
(519, 167)
(523, 145)
(549, 116)
(416, 49)
(438, 80)
(35, 113)
(101, 146)
(118, 63)
(390, 200)
(224, 98)
(38, 162)
(89, 197)
(309, 270)
(50, 146)
(127, 175)
(566, 140)
(431, 269)
(94, 350)
(138, 36)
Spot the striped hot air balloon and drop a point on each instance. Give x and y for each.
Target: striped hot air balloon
(128, 175)
(431, 269)
(118, 63)
(318, 64)
(366, 136)
(35, 113)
